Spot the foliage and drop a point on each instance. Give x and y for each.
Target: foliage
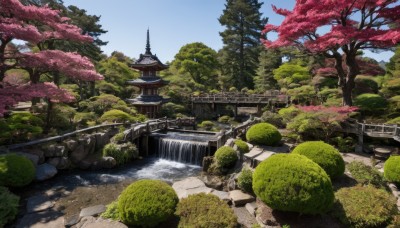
(263, 134)
(115, 115)
(147, 203)
(242, 146)
(16, 170)
(226, 156)
(292, 182)
(245, 180)
(365, 84)
(288, 113)
(105, 102)
(21, 126)
(364, 206)
(394, 121)
(370, 102)
(392, 169)
(61, 116)
(122, 153)
(206, 124)
(241, 49)
(171, 109)
(272, 118)
(394, 103)
(8, 207)
(83, 118)
(291, 73)
(344, 144)
(269, 60)
(224, 119)
(205, 210)
(111, 211)
(365, 174)
(303, 94)
(324, 155)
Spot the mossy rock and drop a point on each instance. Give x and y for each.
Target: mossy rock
(16, 170)
(325, 155)
(263, 134)
(292, 182)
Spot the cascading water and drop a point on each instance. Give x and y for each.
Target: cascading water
(183, 151)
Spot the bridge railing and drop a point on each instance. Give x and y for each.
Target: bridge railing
(239, 98)
(379, 129)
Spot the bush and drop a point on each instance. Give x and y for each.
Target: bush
(111, 211)
(226, 157)
(8, 206)
(272, 118)
(365, 174)
(324, 155)
(264, 134)
(370, 102)
(292, 182)
(20, 127)
(288, 113)
(394, 121)
(116, 116)
(205, 210)
(364, 206)
(245, 180)
(16, 170)
(242, 146)
(365, 84)
(391, 169)
(206, 124)
(82, 118)
(224, 119)
(147, 203)
(122, 153)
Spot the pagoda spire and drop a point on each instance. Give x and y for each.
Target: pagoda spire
(148, 51)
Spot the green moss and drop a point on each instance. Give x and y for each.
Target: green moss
(391, 169)
(364, 206)
(245, 180)
(122, 153)
(263, 134)
(365, 174)
(16, 170)
(292, 182)
(147, 203)
(205, 210)
(8, 206)
(394, 121)
(226, 157)
(242, 146)
(224, 119)
(112, 211)
(324, 155)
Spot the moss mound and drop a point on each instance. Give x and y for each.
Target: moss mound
(292, 182)
(16, 170)
(242, 146)
(245, 180)
(324, 155)
(364, 206)
(226, 157)
(263, 134)
(391, 169)
(205, 210)
(147, 203)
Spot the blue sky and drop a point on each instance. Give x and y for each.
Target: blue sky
(172, 23)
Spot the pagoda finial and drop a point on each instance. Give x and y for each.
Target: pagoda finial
(148, 52)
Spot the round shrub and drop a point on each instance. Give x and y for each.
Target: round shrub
(147, 203)
(224, 119)
(16, 170)
(226, 157)
(122, 153)
(292, 182)
(391, 169)
(112, 211)
(370, 102)
(205, 210)
(364, 206)
(115, 115)
(324, 155)
(263, 134)
(245, 180)
(242, 146)
(206, 124)
(8, 206)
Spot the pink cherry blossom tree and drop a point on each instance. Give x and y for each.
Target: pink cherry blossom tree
(338, 30)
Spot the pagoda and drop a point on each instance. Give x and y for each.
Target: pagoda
(149, 101)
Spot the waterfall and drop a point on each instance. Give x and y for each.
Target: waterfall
(183, 151)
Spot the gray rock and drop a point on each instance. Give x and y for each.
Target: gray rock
(191, 184)
(240, 198)
(251, 208)
(85, 164)
(264, 155)
(101, 140)
(92, 211)
(193, 191)
(89, 143)
(85, 221)
(55, 150)
(108, 162)
(45, 171)
(214, 182)
(79, 154)
(104, 223)
(222, 195)
(71, 144)
(230, 142)
(33, 157)
(71, 220)
(38, 203)
(43, 219)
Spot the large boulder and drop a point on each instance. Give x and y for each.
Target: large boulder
(45, 171)
(71, 144)
(79, 154)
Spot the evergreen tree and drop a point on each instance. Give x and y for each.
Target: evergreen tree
(239, 55)
(269, 61)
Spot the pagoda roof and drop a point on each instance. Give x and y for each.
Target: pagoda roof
(147, 81)
(148, 100)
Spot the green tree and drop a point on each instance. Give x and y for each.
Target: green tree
(243, 23)
(199, 61)
(292, 74)
(269, 60)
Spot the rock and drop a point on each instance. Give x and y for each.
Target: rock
(71, 220)
(240, 198)
(230, 142)
(101, 140)
(92, 211)
(89, 143)
(45, 171)
(222, 196)
(85, 164)
(43, 219)
(59, 162)
(198, 190)
(71, 144)
(191, 184)
(85, 221)
(214, 182)
(33, 157)
(38, 203)
(55, 150)
(104, 223)
(207, 161)
(248, 157)
(244, 218)
(251, 208)
(39, 153)
(264, 155)
(78, 154)
(108, 162)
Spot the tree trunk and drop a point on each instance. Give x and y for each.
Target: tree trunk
(346, 79)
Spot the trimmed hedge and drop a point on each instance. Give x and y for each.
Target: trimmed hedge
(324, 155)
(292, 182)
(263, 134)
(16, 170)
(364, 206)
(391, 169)
(8, 206)
(226, 157)
(205, 210)
(147, 203)
(242, 146)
